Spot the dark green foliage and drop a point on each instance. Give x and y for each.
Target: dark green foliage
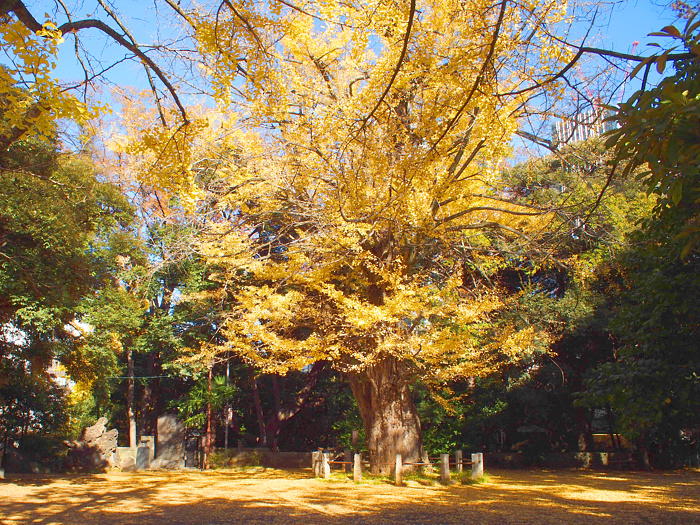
(55, 221)
(33, 415)
(659, 131)
(53, 215)
(193, 406)
(653, 382)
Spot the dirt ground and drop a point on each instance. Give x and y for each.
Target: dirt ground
(272, 497)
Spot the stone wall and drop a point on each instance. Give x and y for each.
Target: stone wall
(517, 460)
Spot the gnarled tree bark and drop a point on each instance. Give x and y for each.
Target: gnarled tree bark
(388, 414)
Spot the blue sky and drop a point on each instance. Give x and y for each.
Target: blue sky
(634, 20)
(617, 29)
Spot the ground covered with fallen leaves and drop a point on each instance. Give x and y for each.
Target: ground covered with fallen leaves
(270, 497)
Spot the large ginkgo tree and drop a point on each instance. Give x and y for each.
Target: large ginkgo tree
(357, 211)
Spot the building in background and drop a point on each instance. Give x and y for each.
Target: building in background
(582, 126)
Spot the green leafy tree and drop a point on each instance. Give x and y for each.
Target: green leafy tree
(55, 219)
(652, 382)
(659, 131)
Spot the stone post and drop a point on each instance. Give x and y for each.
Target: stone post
(477, 465)
(357, 468)
(445, 468)
(316, 463)
(326, 466)
(459, 460)
(150, 442)
(398, 473)
(348, 460)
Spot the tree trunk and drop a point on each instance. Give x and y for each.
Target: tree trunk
(130, 397)
(389, 415)
(227, 408)
(262, 440)
(207, 452)
(148, 400)
(293, 407)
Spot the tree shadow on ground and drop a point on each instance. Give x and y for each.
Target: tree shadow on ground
(276, 497)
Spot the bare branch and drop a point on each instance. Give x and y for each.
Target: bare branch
(20, 10)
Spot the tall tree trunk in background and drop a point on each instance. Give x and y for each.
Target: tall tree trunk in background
(130, 397)
(262, 440)
(293, 407)
(276, 417)
(207, 452)
(388, 413)
(227, 415)
(148, 419)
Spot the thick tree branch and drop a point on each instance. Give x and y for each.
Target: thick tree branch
(487, 208)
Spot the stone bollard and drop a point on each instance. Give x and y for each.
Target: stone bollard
(458, 460)
(326, 466)
(348, 460)
(398, 473)
(316, 463)
(444, 468)
(477, 465)
(357, 468)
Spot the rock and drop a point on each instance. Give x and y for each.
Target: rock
(96, 448)
(107, 442)
(90, 434)
(128, 464)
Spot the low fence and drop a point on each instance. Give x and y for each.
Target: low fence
(321, 465)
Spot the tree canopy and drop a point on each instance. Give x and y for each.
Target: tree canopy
(326, 192)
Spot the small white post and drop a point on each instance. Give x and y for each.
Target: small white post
(444, 468)
(326, 465)
(315, 463)
(458, 460)
(398, 475)
(477, 465)
(357, 469)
